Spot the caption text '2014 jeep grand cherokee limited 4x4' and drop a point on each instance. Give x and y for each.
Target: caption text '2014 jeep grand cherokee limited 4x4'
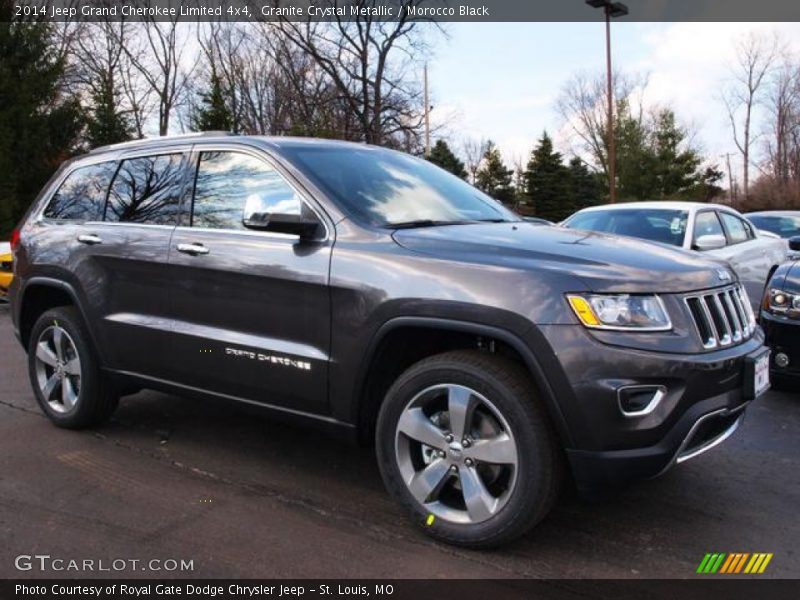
(372, 293)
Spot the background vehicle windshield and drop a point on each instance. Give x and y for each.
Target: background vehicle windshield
(387, 188)
(656, 225)
(786, 226)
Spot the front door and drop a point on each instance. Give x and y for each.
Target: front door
(251, 308)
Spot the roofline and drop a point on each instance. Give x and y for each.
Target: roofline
(161, 139)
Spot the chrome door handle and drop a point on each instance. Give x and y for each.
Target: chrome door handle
(193, 249)
(90, 239)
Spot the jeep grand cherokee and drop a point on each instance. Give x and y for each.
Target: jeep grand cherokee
(371, 293)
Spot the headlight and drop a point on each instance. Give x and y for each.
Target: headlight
(780, 302)
(620, 312)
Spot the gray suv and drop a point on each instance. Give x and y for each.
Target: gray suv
(371, 294)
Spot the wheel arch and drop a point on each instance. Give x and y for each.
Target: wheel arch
(43, 293)
(371, 386)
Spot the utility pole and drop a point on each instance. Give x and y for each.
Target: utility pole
(427, 113)
(612, 10)
(731, 182)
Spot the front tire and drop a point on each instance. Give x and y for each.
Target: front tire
(65, 375)
(466, 447)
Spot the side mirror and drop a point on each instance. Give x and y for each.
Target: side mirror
(294, 223)
(299, 225)
(710, 242)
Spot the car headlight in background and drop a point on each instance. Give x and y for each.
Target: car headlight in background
(782, 303)
(621, 312)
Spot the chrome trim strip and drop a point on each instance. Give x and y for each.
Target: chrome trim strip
(660, 394)
(679, 457)
(710, 443)
(727, 339)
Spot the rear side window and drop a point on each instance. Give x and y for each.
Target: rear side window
(147, 190)
(707, 223)
(82, 195)
(738, 230)
(226, 181)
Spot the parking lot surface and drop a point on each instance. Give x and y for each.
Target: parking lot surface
(243, 496)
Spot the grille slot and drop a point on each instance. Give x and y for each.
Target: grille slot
(722, 317)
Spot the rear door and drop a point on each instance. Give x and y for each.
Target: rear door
(124, 271)
(251, 308)
(749, 258)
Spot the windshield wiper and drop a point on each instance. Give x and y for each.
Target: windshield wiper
(425, 223)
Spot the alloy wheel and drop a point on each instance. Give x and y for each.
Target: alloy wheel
(58, 369)
(456, 453)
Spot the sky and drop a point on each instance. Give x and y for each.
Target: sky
(501, 80)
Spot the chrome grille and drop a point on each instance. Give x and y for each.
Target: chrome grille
(722, 317)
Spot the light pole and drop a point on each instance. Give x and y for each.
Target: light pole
(612, 11)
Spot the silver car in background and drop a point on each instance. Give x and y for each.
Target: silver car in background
(713, 229)
(783, 223)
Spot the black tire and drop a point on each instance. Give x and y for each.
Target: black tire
(540, 462)
(96, 399)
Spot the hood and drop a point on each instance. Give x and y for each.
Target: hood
(791, 280)
(604, 263)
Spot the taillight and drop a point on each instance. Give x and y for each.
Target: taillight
(14, 240)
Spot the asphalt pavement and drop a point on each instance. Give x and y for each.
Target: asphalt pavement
(238, 495)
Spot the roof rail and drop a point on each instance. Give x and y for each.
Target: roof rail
(165, 138)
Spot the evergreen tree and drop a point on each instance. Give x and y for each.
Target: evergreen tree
(442, 156)
(654, 161)
(585, 187)
(493, 177)
(106, 124)
(546, 182)
(213, 113)
(40, 123)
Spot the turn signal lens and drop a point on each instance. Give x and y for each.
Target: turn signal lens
(584, 311)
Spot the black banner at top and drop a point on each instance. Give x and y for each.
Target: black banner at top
(392, 10)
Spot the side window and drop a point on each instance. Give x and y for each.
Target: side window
(147, 190)
(82, 195)
(227, 181)
(707, 223)
(738, 230)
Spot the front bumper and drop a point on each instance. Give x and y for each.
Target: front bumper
(704, 402)
(783, 336)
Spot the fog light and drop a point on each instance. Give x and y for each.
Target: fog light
(640, 400)
(781, 360)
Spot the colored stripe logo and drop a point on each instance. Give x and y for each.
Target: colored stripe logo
(734, 563)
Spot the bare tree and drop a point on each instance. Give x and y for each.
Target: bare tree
(583, 107)
(368, 61)
(783, 103)
(155, 51)
(473, 151)
(755, 56)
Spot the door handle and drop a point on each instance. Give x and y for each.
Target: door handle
(90, 239)
(193, 249)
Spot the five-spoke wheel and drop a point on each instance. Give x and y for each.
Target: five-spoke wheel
(456, 453)
(465, 445)
(58, 368)
(65, 374)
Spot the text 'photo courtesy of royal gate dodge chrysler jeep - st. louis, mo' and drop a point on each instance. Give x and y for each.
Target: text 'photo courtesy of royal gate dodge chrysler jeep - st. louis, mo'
(490, 360)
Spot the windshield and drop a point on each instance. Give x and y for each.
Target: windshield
(786, 226)
(392, 189)
(656, 225)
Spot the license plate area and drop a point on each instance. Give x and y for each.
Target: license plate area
(756, 375)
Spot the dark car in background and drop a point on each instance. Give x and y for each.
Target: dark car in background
(780, 318)
(784, 223)
(370, 293)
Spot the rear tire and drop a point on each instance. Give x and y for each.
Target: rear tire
(65, 374)
(502, 470)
